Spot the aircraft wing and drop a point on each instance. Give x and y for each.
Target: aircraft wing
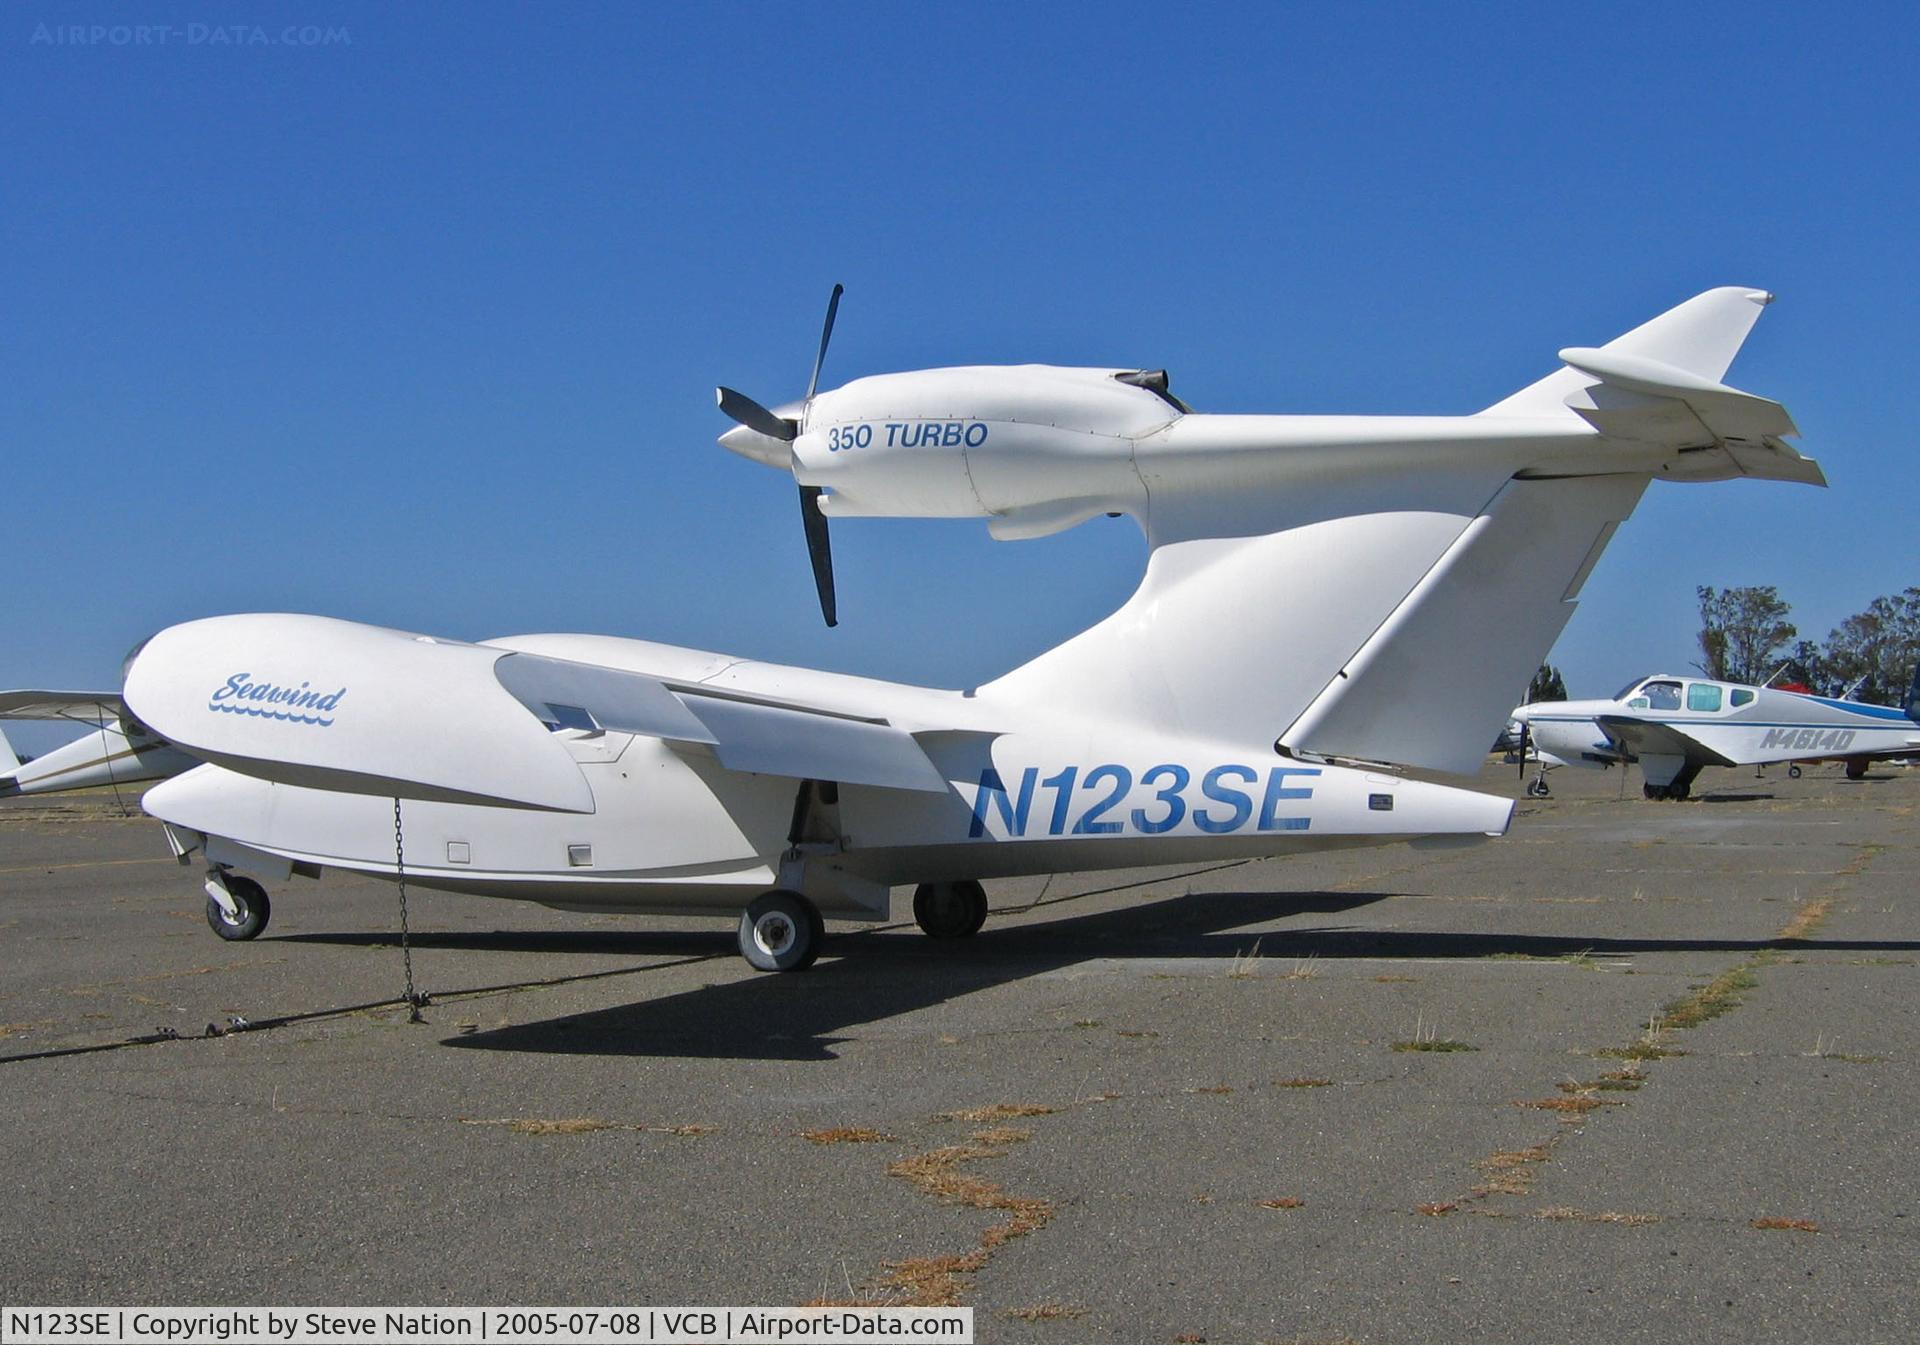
(76, 707)
(751, 735)
(1645, 738)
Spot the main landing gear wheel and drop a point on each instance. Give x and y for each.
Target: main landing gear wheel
(1675, 791)
(1538, 788)
(254, 910)
(781, 931)
(1856, 770)
(1793, 772)
(950, 910)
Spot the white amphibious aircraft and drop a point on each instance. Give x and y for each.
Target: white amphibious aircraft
(1327, 599)
(1675, 726)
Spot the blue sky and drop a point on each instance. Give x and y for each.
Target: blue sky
(419, 326)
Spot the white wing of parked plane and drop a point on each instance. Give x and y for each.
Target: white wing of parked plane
(1644, 738)
(76, 707)
(117, 750)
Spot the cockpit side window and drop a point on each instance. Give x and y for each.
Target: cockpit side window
(1703, 696)
(1662, 695)
(1741, 698)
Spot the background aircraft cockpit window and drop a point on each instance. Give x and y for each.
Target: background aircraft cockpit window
(1662, 695)
(1703, 696)
(1741, 698)
(1637, 703)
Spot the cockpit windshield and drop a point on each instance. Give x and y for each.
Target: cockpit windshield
(1628, 689)
(1661, 695)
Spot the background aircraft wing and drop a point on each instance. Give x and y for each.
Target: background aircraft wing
(77, 707)
(1642, 738)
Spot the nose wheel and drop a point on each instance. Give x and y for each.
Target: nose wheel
(250, 909)
(781, 931)
(1537, 788)
(950, 910)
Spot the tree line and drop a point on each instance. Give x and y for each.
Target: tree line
(1745, 636)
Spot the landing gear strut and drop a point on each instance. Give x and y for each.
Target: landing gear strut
(950, 910)
(245, 910)
(781, 931)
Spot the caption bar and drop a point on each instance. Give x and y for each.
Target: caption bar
(486, 1326)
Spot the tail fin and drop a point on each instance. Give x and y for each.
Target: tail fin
(1701, 337)
(9, 763)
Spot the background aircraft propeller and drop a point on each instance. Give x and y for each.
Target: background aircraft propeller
(743, 409)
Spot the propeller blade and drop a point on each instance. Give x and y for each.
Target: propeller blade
(742, 408)
(826, 334)
(819, 547)
(1525, 727)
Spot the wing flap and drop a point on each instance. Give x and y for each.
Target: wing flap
(806, 745)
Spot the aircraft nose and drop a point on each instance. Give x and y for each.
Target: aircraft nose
(750, 443)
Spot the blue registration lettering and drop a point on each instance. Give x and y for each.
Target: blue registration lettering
(1089, 823)
(1176, 806)
(1211, 786)
(1013, 816)
(1276, 791)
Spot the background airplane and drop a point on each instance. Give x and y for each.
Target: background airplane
(1676, 726)
(117, 749)
(1326, 599)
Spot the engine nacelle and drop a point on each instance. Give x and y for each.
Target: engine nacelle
(1052, 445)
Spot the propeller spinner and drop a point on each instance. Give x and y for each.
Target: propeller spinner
(767, 436)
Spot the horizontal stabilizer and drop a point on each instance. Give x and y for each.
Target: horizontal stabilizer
(1728, 412)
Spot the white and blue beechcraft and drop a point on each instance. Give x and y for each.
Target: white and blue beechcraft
(1677, 726)
(1327, 600)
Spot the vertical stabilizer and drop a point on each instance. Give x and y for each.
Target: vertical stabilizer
(1701, 336)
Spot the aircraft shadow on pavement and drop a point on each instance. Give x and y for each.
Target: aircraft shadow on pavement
(871, 977)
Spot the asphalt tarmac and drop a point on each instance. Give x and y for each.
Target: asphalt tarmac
(1638, 1071)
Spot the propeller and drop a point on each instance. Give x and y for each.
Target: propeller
(785, 429)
